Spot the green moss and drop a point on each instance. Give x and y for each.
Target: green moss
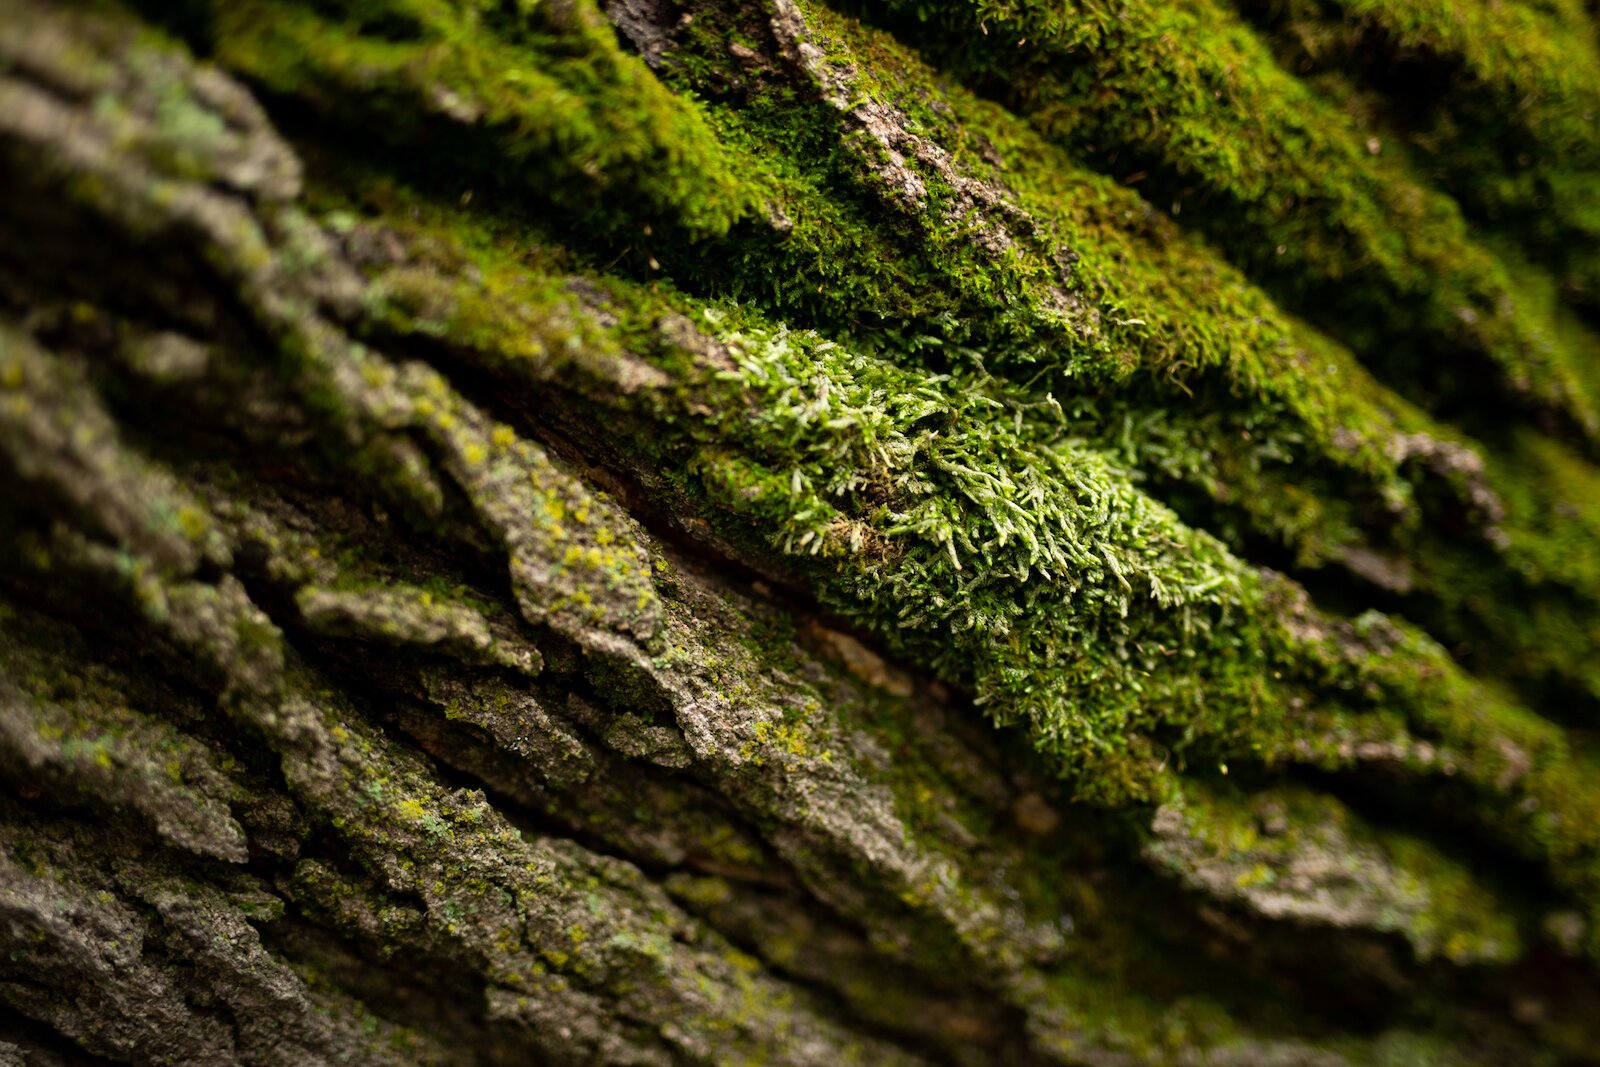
(1500, 107)
(1192, 102)
(528, 97)
(1243, 417)
(979, 527)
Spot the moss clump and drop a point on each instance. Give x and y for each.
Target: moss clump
(1498, 107)
(526, 97)
(1187, 99)
(962, 519)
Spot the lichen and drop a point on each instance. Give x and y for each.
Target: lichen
(1297, 855)
(412, 617)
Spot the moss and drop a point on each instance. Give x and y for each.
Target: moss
(536, 98)
(1501, 110)
(893, 483)
(1381, 257)
(1153, 293)
(1019, 508)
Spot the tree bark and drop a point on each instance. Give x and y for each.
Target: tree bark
(676, 533)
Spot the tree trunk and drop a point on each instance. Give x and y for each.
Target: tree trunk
(763, 532)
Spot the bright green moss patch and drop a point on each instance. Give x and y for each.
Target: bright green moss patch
(875, 475)
(1499, 104)
(1189, 102)
(965, 516)
(976, 527)
(536, 99)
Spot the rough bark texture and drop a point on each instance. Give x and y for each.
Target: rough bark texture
(763, 532)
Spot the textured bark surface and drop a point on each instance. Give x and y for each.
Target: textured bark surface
(652, 533)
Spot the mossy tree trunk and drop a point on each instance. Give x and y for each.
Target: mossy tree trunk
(535, 532)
